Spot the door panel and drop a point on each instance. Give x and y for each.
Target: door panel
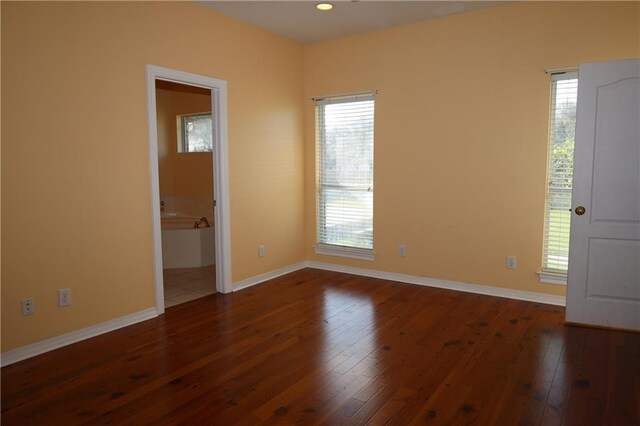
(615, 195)
(611, 263)
(604, 260)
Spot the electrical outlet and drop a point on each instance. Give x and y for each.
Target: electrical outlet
(27, 306)
(261, 250)
(64, 297)
(511, 262)
(402, 250)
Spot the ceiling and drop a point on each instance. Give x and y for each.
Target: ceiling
(300, 21)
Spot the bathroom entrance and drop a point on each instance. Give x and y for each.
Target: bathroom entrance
(185, 169)
(189, 185)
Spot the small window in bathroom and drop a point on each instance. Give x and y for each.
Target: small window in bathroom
(194, 133)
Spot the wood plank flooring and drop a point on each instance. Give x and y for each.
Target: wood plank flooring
(318, 347)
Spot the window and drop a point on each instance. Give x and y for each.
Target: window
(194, 133)
(564, 94)
(344, 142)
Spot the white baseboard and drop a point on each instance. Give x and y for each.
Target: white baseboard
(528, 296)
(450, 285)
(267, 276)
(28, 351)
(19, 354)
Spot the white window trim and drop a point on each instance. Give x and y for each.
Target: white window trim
(544, 275)
(182, 140)
(331, 249)
(552, 277)
(341, 251)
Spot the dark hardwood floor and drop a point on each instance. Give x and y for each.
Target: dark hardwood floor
(318, 347)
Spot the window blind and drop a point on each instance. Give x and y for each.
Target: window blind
(344, 164)
(564, 94)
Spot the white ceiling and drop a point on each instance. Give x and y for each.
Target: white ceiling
(300, 21)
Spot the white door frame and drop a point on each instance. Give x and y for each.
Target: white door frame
(220, 172)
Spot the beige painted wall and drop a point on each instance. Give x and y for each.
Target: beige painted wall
(0, 187)
(461, 136)
(76, 205)
(461, 131)
(184, 174)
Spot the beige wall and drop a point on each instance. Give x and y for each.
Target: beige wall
(76, 203)
(461, 137)
(183, 174)
(461, 131)
(0, 197)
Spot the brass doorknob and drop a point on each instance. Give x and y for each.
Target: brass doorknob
(580, 210)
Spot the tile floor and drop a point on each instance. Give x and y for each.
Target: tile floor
(185, 284)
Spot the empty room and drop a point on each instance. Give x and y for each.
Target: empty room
(352, 212)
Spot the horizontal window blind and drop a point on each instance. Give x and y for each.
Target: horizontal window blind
(344, 143)
(564, 94)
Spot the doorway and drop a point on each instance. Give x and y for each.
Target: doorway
(185, 167)
(213, 245)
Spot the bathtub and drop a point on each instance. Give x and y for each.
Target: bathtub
(184, 246)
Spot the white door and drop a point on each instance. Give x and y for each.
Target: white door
(604, 261)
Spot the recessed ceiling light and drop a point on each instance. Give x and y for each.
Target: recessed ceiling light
(324, 6)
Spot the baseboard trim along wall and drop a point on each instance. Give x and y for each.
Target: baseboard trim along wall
(28, 351)
(47, 345)
(528, 296)
(251, 281)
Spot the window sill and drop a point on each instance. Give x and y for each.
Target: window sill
(194, 152)
(552, 277)
(353, 253)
